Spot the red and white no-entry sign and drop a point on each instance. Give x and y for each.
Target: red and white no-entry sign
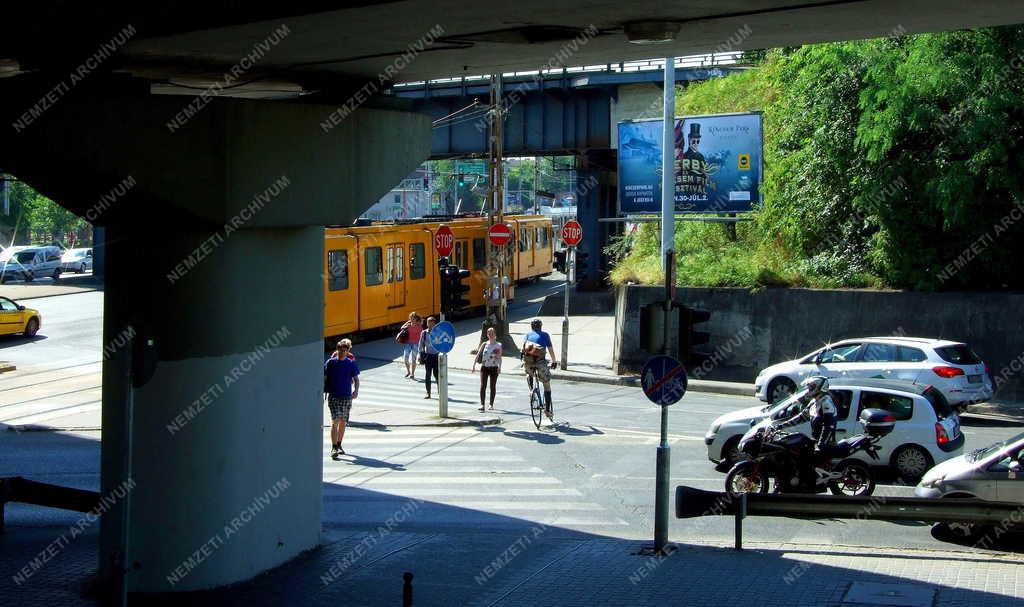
(444, 241)
(499, 234)
(572, 233)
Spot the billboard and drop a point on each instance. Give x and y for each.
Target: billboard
(717, 164)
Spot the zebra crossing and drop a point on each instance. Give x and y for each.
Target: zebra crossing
(453, 476)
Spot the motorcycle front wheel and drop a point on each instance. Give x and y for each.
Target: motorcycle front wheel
(746, 480)
(856, 480)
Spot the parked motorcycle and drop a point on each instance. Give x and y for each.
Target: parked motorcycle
(789, 461)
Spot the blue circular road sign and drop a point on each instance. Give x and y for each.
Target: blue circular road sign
(663, 380)
(442, 337)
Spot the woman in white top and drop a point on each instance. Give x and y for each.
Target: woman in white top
(488, 355)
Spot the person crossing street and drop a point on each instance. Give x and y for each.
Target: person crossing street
(341, 383)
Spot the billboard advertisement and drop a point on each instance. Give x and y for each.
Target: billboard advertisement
(717, 164)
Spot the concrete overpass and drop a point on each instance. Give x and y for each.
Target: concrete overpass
(241, 129)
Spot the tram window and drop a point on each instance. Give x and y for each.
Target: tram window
(417, 261)
(374, 267)
(396, 263)
(524, 239)
(541, 240)
(337, 270)
(462, 254)
(479, 253)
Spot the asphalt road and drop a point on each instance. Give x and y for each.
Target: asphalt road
(592, 473)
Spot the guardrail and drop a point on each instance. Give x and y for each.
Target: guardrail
(22, 490)
(692, 503)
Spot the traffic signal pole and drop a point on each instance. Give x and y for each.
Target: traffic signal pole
(442, 382)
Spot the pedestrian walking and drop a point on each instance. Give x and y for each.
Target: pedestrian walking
(341, 383)
(488, 356)
(428, 353)
(409, 337)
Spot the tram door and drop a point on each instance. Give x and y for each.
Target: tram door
(395, 269)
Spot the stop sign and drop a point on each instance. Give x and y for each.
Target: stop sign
(499, 234)
(572, 233)
(444, 241)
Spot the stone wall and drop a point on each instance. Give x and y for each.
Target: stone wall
(751, 330)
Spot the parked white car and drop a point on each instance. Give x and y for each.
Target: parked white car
(950, 366)
(76, 260)
(927, 428)
(30, 263)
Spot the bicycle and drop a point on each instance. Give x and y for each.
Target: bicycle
(538, 408)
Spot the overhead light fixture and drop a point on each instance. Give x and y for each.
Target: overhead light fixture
(651, 32)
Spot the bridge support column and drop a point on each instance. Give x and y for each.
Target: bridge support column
(225, 435)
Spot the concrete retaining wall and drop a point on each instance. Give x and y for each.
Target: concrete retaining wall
(750, 331)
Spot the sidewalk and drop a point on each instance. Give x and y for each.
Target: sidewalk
(534, 565)
(68, 284)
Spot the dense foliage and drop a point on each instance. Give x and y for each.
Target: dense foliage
(35, 219)
(892, 162)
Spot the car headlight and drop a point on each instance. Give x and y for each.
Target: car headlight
(715, 428)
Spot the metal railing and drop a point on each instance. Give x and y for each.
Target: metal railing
(692, 503)
(22, 490)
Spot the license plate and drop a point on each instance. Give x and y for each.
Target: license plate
(974, 379)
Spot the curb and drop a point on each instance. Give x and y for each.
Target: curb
(60, 294)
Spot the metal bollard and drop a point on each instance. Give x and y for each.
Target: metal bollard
(407, 589)
(741, 513)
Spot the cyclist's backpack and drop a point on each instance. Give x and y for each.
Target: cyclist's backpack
(532, 350)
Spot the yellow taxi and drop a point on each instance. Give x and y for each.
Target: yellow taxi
(15, 318)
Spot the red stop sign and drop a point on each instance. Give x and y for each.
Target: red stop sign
(572, 233)
(499, 234)
(444, 241)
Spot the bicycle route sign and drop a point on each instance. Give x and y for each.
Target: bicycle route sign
(663, 380)
(442, 337)
(444, 241)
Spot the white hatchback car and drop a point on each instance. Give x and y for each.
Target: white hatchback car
(926, 432)
(951, 367)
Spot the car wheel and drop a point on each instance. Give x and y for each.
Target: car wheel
(56, 275)
(731, 450)
(31, 327)
(780, 388)
(911, 462)
(28, 277)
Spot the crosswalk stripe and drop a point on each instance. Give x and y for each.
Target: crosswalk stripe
(53, 414)
(427, 469)
(442, 458)
(494, 506)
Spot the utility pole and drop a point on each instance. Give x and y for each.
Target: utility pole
(497, 307)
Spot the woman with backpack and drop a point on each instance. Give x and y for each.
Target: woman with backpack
(409, 337)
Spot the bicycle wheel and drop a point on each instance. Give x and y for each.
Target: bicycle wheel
(536, 408)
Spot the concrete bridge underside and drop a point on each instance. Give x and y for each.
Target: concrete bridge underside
(213, 237)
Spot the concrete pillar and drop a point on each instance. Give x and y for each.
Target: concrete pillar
(595, 199)
(226, 437)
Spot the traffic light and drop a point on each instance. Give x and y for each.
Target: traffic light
(581, 264)
(560, 260)
(462, 180)
(690, 338)
(452, 290)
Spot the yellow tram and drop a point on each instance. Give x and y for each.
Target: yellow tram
(376, 275)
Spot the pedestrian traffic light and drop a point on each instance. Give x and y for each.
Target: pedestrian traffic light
(690, 338)
(452, 290)
(560, 260)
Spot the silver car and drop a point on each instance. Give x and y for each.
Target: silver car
(990, 473)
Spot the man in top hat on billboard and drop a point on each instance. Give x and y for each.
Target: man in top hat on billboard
(692, 167)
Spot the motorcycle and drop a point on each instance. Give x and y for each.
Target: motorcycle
(790, 460)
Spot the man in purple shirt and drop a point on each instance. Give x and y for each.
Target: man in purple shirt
(342, 386)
